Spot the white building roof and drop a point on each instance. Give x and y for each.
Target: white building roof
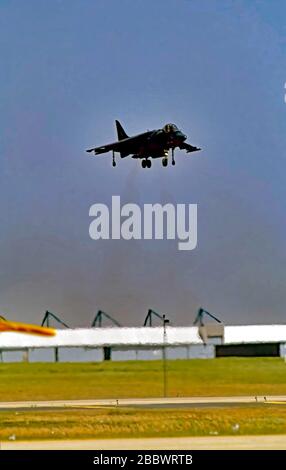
(141, 337)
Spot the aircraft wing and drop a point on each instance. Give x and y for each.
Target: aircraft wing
(189, 148)
(103, 149)
(115, 146)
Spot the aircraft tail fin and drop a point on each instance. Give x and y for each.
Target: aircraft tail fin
(120, 131)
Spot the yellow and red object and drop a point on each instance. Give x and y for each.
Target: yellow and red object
(12, 326)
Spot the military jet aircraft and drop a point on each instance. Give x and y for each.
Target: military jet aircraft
(150, 144)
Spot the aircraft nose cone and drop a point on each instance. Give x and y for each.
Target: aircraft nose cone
(181, 136)
(178, 136)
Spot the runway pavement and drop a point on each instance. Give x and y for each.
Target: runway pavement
(171, 402)
(192, 443)
(277, 442)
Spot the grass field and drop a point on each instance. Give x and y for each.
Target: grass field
(134, 379)
(208, 377)
(127, 423)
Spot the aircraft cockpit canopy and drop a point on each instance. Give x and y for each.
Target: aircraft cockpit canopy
(170, 128)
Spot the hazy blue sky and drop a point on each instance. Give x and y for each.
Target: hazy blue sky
(217, 69)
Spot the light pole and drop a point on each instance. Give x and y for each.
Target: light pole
(165, 322)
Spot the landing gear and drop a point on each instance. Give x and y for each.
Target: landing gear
(173, 159)
(146, 163)
(165, 162)
(113, 159)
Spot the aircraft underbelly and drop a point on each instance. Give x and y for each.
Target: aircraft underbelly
(151, 150)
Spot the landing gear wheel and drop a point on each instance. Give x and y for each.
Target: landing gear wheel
(113, 159)
(165, 161)
(173, 162)
(148, 163)
(143, 163)
(113, 163)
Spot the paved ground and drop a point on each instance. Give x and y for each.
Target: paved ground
(142, 402)
(192, 443)
(182, 443)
